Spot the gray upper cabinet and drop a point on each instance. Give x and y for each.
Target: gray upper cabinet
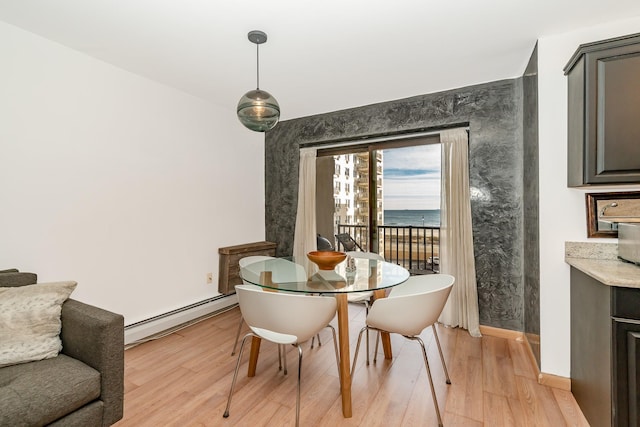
(604, 112)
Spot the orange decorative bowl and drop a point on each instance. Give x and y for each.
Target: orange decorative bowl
(326, 260)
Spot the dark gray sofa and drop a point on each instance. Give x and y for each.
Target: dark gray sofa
(83, 385)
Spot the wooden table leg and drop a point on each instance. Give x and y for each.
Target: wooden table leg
(253, 356)
(265, 279)
(384, 336)
(345, 358)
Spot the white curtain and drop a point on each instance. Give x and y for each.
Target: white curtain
(304, 239)
(456, 235)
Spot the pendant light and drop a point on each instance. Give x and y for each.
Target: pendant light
(257, 109)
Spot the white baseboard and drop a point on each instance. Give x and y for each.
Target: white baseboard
(146, 328)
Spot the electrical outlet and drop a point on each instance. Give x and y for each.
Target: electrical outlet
(209, 277)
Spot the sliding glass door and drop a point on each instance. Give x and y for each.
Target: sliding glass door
(383, 198)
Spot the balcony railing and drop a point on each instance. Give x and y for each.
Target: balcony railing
(415, 248)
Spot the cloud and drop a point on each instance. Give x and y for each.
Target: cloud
(411, 177)
(418, 157)
(411, 173)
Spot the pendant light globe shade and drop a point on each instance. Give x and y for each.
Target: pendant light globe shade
(258, 110)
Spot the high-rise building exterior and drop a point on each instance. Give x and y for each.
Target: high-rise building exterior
(351, 189)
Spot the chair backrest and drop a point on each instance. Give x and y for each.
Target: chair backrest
(285, 313)
(365, 255)
(243, 262)
(284, 271)
(347, 242)
(415, 306)
(248, 260)
(417, 284)
(323, 244)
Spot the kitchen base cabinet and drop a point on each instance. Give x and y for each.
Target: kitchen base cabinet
(591, 348)
(605, 351)
(626, 354)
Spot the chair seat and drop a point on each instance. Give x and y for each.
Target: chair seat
(359, 296)
(274, 337)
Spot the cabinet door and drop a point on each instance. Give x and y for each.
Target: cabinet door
(591, 337)
(604, 106)
(613, 147)
(626, 360)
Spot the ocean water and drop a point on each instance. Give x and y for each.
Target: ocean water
(428, 218)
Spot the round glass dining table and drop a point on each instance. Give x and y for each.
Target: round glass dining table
(350, 276)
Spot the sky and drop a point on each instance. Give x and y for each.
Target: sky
(411, 177)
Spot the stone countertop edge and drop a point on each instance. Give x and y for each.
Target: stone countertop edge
(600, 261)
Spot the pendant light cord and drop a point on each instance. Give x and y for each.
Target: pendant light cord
(257, 66)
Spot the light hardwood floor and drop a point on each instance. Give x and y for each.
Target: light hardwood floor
(183, 379)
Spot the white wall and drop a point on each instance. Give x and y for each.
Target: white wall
(562, 210)
(124, 185)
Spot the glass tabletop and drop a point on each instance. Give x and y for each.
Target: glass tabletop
(361, 275)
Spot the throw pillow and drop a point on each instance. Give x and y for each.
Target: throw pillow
(30, 321)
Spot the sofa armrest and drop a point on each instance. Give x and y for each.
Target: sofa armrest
(96, 337)
(12, 278)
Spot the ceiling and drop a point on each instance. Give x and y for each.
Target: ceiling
(321, 56)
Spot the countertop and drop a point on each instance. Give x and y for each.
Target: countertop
(600, 261)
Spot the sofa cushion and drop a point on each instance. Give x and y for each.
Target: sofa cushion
(38, 393)
(30, 321)
(88, 416)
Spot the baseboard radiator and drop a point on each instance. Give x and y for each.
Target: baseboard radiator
(143, 329)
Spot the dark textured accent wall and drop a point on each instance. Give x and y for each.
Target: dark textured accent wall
(531, 203)
(493, 112)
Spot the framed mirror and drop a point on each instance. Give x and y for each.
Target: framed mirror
(606, 210)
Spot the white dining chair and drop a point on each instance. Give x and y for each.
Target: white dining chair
(284, 271)
(410, 308)
(283, 318)
(243, 262)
